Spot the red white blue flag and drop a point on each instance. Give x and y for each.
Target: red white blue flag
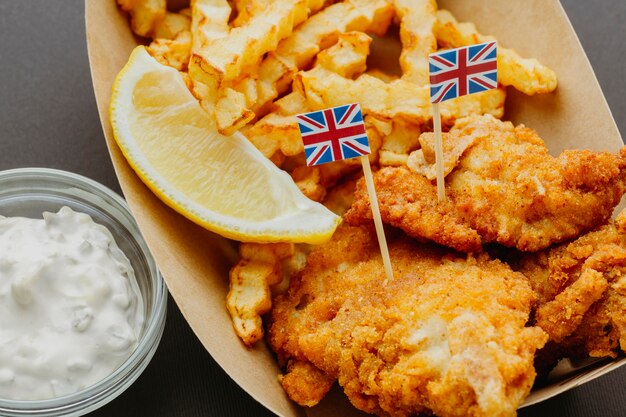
(333, 134)
(461, 71)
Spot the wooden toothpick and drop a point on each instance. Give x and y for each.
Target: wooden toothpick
(441, 191)
(378, 222)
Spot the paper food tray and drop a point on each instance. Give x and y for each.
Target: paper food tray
(195, 262)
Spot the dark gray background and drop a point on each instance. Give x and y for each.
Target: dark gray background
(48, 118)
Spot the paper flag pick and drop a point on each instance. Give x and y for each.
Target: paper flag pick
(454, 73)
(333, 134)
(339, 133)
(461, 71)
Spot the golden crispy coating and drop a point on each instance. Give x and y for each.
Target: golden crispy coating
(561, 316)
(506, 189)
(513, 192)
(581, 291)
(423, 160)
(409, 201)
(447, 335)
(304, 383)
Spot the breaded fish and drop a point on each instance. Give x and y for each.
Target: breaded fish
(581, 290)
(506, 188)
(409, 201)
(447, 335)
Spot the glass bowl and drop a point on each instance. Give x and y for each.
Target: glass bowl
(28, 192)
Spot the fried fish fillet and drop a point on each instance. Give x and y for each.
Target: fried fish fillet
(581, 291)
(447, 335)
(409, 201)
(512, 191)
(506, 188)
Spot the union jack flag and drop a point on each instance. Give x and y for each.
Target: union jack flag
(461, 71)
(333, 134)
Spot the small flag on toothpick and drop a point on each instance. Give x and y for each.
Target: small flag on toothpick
(454, 73)
(339, 133)
(333, 134)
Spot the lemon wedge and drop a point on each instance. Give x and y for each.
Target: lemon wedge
(221, 183)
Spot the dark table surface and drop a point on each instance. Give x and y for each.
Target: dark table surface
(48, 118)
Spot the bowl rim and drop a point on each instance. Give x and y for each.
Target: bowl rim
(108, 388)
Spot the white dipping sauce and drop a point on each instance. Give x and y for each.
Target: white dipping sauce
(70, 307)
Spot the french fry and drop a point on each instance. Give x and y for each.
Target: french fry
(226, 58)
(246, 86)
(292, 103)
(309, 179)
(229, 106)
(291, 265)
(231, 112)
(187, 80)
(218, 62)
(405, 103)
(315, 180)
(339, 198)
(348, 56)
(249, 297)
(387, 101)
(317, 33)
(417, 21)
(235, 99)
(181, 5)
(375, 139)
(381, 75)
(332, 174)
(401, 140)
(278, 131)
(486, 102)
(323, 89)
(390, 133)
(392, 159)
(274, 133)
(171, 25)
(172, 52)
(246, 9)
(209, 22)
(526, 75)
(144, 14)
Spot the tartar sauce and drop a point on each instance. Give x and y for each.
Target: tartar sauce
(70, 307)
